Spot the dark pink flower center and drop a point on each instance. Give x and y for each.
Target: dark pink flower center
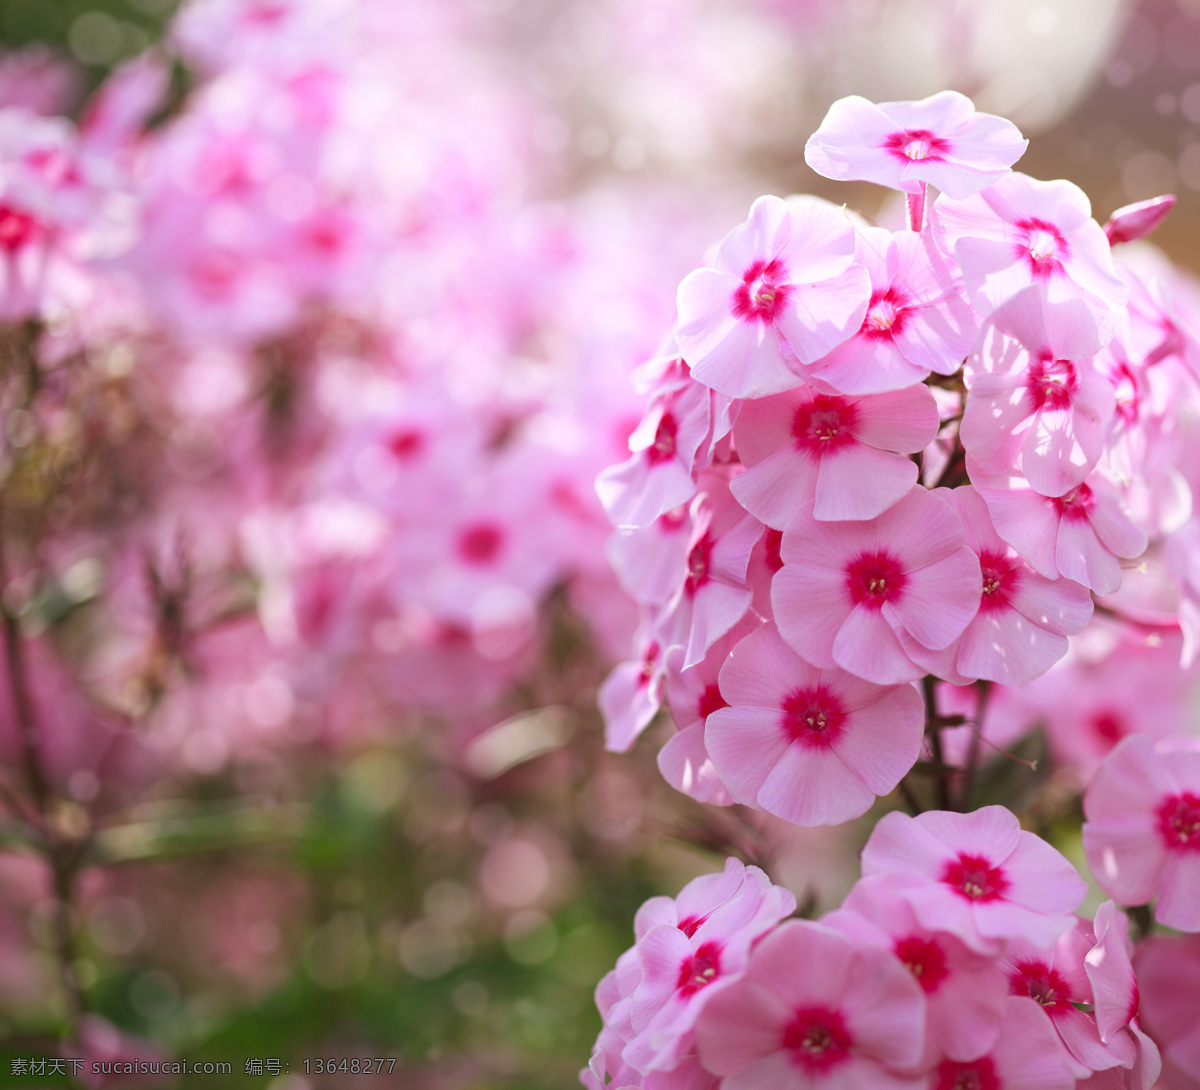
(699, 565)
(1042, 245)
(670, 522)
(773, 543)
(976, 1075)
(649, 665)
(663, 447)
(1042, 984)
(216, 276)
(265, 13)
(699, 970)
(406, 444)
(1052, 384)
(1125, 387)
(710, 701)
(1179, 821)
(1001, 574)
(886, 314)
(875, 578)
(823, 425)
(16, 229)
(925, 959)
(480, 543)
(974, 877)
(763, 292)
(1076, 504)
(817, 1038)
(916, 144)
(689, 925)
(813, 717)
(1109, 727)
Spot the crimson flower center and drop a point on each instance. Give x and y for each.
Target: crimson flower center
(813, 717)
(1000, 576)
(1076, 504)
(977, 1075)
(773, 544)
(710, 701)
(823, 425)
(925, 959)
(1052, 383)
(817, 1038)
(1179, 821)
(763, 292)
(665, 436)
(875, 578)
(480, 544)
(1042, 984)
(886, 314)
(699, 565)
(699, 970)
(405, 444)
(16, 229)
(915, 145)
(1042, 245)
(974, 877)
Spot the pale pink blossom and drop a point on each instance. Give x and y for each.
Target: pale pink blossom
(1024, 618)
(694, 694)
(918, 319)
(1081, 535)
(966, 995)
(629, 698)
(1141, 831)
(832, 453)
(1168, 973)
(689, 950)
(815, 1010)
(1035, 401)
(848, 590)
(984, 879)
(1023, 231)
(814, 747)
(713, 592)
(782, 286)
(1027, 1056)
(939, 140)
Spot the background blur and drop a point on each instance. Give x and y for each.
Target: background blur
(319, 873)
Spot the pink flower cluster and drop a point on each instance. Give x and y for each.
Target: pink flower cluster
(871, 457)
(954, 962)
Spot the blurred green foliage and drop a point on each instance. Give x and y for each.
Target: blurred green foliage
(96, 33)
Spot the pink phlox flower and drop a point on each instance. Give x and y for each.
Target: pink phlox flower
(647, 560)
(694, 694)
(781, 287)
(661, 473)
(1083, 534)
(631, 695)
(1023, 231)
(117, 113)
(1141, 832)
(830, 452)
(1035, 399)
(1088, 706)
(814, 747)
(713, 593)
(1168, 973)
(1109, 968)
(939, 140)
(1024, 618)
(699, 945)
(966, 994)
(1133, 221)
(918, 319)
(983, 878)
(1055, 978)
(1028, 1055)
(815, 1010)
(847, 590)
